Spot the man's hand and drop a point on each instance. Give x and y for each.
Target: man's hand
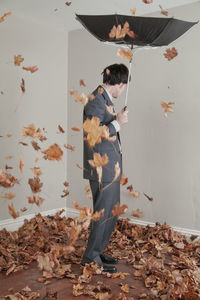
(122, 117)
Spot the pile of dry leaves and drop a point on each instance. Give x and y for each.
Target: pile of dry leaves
(163, 259)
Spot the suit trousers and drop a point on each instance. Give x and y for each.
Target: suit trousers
(105, 196)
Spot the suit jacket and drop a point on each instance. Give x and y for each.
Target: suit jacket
(97, 107)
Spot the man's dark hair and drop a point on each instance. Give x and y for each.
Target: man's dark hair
(115, 74)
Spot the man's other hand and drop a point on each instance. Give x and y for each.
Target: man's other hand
(122, 117)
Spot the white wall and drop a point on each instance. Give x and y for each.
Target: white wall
(161, 156)
(44, 104)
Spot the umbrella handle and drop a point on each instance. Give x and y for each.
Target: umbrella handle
(125, 108)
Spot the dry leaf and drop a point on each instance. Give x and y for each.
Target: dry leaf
(124, 179)
(93, 130)
(23, 85)
(36, 171)
(12, 211)
(117, 171)
(66, 193)
(23, 209)
(125, 288)
(132, 192)
(9, 196)
(91, 97)
(35, 199)
(79, 166)
(110, 109)
(82, 82)
(7, 167)
(8, 135)
(61, 129)
(84, 211)
(149, 198)
(54, 152)
(170, 54)
(36, 160)
(31, 69)
(21, 165)
(164, 12)
(97, 162)
(136, 213)
(82, 98)
(32, 131)
(24, 144)
(5, 16)
(69, 147)
(119, 210)
(100, 90)
(68, 3)
(147, 1)
(35, 145)
(167, 108)
(7, 180)
(35, 184)
(125, 54)
(9, 157)
(75, 128)
(106, 134)
(18, 60)
(120, 32)
(88, 192)
(133, 11)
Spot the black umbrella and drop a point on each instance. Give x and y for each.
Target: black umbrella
(134, 32)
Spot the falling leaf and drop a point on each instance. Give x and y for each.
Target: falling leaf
(7, 180)
(75, 128)
(82, 98)
(147, 1)
(94, 131)
(68, 3)
(23, 209)
(69, 147)
(66, 193)
(82, 82)
(167, 108)
(35, 199)
(100, 90)
(110, 109)
(12, 211)
(124, 179)
(35, 184)
(117, 171)
(23, 85)
(1, 92)
(97, 162)
(88, 193)
(66, 183)
(133, 11)
(61, 129)
(164, 12)
(24, 144)
(9, 157)
(9, 196)
(79, 166)
(125, 54)
(132, 192)
(54, 152)
(35, 145)
(21, 165)
(5, 16)
(18, 60)
(7, 167)
(8, 135)
(120, 32)
(149, 198)
(36, 160)
(125, 288)
(170, 54)
(32, 131)
(119, 210)
(37, 171)
(91, 97)
(31, 69)
(136, 213)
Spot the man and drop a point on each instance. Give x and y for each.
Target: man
(107, 193)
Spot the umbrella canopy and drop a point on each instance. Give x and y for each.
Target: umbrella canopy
(145, 31)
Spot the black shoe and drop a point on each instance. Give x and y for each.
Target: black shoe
(108, 259)
(109, 269)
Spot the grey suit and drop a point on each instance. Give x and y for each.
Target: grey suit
(102, 198)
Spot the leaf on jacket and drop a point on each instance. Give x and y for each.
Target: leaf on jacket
(93, 130)
(170, 53)
(12, 211)
(164, 12)
(106, 134)
(97, 162)
(31, 69)
(88, 192)
(132, 192)
(136, 213)
(100, 90)
(119, 210)
(69, 147)
(124, 179)
(9, 196)
(35, 184)
(117, 171)
(18, 59)
(110, 109)
(125, 54)
(167, 108)
(3, 18)
(54, 152)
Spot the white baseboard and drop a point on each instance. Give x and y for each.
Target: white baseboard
(14, 224)
(71, 212)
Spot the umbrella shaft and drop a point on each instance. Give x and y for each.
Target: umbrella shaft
(127, 88)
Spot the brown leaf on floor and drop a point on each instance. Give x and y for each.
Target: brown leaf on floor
(18, 59)
(121, 52)
(4, 17)
(148, 197)
(132, 192)
(72, 148)
(23, 86)
(12, 211)
(167, 108)
(124, 179)
(164, 12)
(82, 83)
(7, 180)
(31, 69)
(170, 53)
(119, 210)
(24, 294)
(9, 196)
(61, 129)
(35, 184)
(54, 152)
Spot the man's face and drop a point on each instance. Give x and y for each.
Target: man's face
(118, 89)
